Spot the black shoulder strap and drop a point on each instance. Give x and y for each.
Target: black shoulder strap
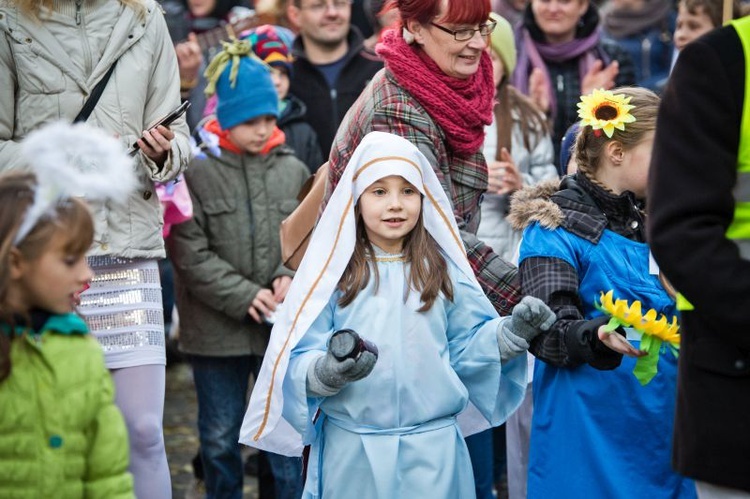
(91, 102)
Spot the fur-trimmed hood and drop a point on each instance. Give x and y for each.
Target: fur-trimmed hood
(534, 204)
(575, 204)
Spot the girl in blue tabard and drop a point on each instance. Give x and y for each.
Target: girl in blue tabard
(596, 430)
(386, 260)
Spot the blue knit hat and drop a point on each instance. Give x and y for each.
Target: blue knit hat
(243, 85)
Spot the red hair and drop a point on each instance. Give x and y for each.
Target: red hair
(469, 12)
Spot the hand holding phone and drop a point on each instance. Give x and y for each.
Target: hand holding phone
(165, 121)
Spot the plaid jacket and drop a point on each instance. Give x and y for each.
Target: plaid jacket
(386, 107)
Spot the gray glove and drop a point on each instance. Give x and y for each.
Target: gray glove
(327, 375)
(530, 317)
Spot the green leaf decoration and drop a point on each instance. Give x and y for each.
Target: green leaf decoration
(645, 367)
(612, 325)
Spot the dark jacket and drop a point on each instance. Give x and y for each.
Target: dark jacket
(646, 35)
(693, 173)
(565, 77)
(300, 136)
(327, 106)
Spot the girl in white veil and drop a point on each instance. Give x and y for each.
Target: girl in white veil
(385, 425)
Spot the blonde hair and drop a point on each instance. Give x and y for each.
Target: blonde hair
(31, 8)
(590, 145)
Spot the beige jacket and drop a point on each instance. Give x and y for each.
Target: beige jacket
(48, 68)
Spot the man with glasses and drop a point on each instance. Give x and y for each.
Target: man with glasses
(331, 66)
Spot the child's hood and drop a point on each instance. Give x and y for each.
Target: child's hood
(534, 204)
(558, 203)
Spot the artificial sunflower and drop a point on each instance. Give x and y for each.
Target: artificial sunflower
(655, 331)
(604, 110)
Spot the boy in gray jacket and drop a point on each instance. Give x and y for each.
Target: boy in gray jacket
(227, 259)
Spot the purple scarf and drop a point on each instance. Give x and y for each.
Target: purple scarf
(535, 55)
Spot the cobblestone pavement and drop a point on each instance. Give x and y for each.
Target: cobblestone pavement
(181, 433)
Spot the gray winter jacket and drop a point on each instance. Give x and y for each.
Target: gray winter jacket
(230, 250)
(49, 67)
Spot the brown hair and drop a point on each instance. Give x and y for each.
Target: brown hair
(429, 270)
(590, 146)
(31, 8)
(712, 8)
(532, 121)
(72, 218)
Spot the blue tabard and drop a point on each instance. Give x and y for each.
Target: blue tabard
(600, 434)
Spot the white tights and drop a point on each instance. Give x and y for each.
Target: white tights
(139, 393)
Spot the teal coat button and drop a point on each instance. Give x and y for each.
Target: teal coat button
(55, 441)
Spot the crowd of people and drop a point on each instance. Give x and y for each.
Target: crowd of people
(528, 276)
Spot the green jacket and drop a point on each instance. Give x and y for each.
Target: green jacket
(230, 249)
(61, 435)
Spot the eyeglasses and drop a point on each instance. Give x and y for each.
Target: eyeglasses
(320, 7)
(463, 35)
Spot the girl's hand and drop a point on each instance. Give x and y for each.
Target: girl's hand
(262, 305)
(619, 343)
(504, 176)
(512, 179)
(495, 174)
(538, 91)
(281, 287)
(596, 77)
(156, 144)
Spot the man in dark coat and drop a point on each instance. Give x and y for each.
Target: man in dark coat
(331, 64)
(699, 182)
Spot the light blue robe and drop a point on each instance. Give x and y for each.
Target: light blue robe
(393, 434)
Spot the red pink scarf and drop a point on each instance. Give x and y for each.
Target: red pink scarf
(461, 108)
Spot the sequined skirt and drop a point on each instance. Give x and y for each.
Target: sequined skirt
(123, 309)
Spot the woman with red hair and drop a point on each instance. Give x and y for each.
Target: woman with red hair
(437, 91)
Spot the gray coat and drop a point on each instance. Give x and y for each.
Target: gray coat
(230, 249)
(48, 69)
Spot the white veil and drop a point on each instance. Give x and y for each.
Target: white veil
(378, 155)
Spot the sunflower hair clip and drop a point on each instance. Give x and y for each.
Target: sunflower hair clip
(606, 111)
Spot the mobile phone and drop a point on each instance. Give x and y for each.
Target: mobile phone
(165, 121)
